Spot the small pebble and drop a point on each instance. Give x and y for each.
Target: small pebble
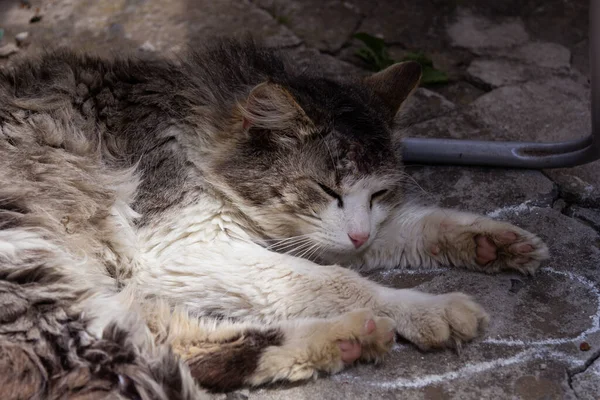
(515, 285)
(543, 366)
(147, 46)
(8, 49)
(21, 38)
(585, 346)
(35, 18)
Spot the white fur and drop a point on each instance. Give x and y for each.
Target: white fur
(357, 216)
(199, 258)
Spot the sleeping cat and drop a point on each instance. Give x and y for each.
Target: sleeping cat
(170, 227)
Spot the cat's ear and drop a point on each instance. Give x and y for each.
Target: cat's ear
(395, 83)
(270, 106)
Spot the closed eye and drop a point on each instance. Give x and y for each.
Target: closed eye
(332, 194)
(377, 195)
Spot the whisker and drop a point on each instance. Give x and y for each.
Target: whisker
(300, 248)
(286, 238)
(314, 252)
(294, 239)
(289, 245)
(303, 254)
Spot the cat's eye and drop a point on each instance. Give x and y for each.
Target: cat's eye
(332, 193)
(377, 195)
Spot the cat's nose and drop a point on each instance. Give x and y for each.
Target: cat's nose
(358, 239)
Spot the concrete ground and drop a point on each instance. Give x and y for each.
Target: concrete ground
(518, 70)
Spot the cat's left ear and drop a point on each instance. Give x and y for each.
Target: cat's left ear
(395, 83)
(270, 106)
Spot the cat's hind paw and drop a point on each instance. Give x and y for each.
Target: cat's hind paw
(374, 335)
(326, 345)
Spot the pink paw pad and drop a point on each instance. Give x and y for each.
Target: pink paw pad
(370, 327)
(507, 237)
(521, 248)
(351, 351)
(486, 250)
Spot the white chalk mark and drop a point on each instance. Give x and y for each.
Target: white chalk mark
(464, 372)
(589, 285)
(424, 271)
(535, 349)
(554, 341)
(516, 210)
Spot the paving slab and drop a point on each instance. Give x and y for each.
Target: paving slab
(109, 26)
(499, 72)
(480, 34)
(589, 216)
(324, 25)
(461, 93)
(542, 54)
(478, 189)
(415, 25)
(580, 185)
(551, 110)
(588, 381)
(423, 105)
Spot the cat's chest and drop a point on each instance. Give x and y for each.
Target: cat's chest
(206, 227)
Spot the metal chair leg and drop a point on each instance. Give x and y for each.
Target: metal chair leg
(520, 154)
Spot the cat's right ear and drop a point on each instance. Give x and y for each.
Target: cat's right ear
(270, 106)
(395, 84)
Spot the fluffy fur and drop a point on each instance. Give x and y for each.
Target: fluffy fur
(167, 228)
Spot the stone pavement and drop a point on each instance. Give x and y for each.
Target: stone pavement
(518, 70)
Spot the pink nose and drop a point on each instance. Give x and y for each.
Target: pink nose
(358, 239)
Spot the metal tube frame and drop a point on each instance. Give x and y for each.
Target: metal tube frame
(520, 154)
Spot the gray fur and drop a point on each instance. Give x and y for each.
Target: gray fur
(81, 137)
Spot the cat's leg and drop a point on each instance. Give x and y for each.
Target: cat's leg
(227, 355)
(418, 236)
(247, 282)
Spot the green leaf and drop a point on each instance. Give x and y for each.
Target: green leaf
(372, 42)
(432, 76)
(374, 52)
(419, 57)
(375, 55)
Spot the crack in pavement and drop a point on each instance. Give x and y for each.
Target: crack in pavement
(573, 372)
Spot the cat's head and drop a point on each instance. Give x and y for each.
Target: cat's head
(313, 164)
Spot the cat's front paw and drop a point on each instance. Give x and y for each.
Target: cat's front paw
(504, 246)
(490, 246)
(445, 320)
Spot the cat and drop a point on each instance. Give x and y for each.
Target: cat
(171, 228)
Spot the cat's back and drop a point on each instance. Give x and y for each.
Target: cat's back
(79, 134)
